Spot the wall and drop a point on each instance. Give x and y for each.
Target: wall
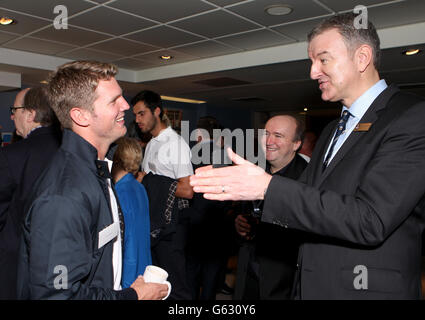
(228, 117)
(6, 100)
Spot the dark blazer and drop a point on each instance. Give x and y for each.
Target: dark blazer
(163, 208)
(365, 212)
(209, 233)
(206, 217)
(61, 256)
(21, 163)
(275, 250)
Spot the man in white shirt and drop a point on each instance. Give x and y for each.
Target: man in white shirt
(167, 154)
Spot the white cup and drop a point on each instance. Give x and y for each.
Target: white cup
(157, 275)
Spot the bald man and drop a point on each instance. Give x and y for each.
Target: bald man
(268, 257)
(20, 165)
(17, 112)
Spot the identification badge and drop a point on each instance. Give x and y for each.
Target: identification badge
(362, 127)
(109, 233)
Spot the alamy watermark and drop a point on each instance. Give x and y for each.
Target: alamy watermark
(61, 20)
(361, 280)
(243, 141)
(61, 280)
(361, 21)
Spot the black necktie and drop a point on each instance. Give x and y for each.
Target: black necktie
(103, 171)
(339, 130)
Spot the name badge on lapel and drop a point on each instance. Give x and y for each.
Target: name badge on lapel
(362, 127)
(109, 233)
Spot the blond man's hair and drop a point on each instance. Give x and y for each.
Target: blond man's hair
(74, 85)
(128, 155)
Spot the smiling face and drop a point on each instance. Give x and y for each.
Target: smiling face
(333, 66)
(278, 141)
(106, 122)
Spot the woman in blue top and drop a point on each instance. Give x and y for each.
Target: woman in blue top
(135, 207)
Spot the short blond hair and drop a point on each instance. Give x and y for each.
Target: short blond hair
(74, 85)
(128, 155)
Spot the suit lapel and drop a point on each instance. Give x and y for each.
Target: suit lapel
(370, 116)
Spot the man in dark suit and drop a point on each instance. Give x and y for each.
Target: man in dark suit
(73, 229)
(361, 199)
(208, 225)
(21, 163)
(264, 271)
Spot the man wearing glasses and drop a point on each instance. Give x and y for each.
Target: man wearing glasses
(15, 114)
(20, 165)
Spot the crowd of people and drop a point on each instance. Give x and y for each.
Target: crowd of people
(86, 205)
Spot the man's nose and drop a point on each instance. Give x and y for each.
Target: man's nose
(314, 71)
(269, 140)
(124, 105)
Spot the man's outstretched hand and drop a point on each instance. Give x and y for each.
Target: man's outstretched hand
(242, 181)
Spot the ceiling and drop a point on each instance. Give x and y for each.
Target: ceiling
(227, 52)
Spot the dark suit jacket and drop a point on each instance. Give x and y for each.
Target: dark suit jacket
(61, 255)
(209, 227)
(163, 207)
(366, 210)
(275, 250)
(21, 163)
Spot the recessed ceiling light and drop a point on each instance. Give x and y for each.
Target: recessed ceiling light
(411, 52)
(166, 57)
(278, 10)
(4, 21)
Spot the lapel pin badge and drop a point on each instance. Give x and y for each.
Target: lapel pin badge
(361, 127)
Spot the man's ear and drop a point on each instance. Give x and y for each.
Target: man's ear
(80, 116)
(157, 112)
(297, 145)
(364, 57)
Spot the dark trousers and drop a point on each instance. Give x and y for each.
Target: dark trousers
(169, 254)
(204, 272)
(247, 283)
(9, 249)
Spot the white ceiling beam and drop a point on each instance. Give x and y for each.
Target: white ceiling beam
(45, 62)
(10, 80)
(402, 36)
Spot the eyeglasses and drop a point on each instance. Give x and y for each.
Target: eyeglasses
(13, 109)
